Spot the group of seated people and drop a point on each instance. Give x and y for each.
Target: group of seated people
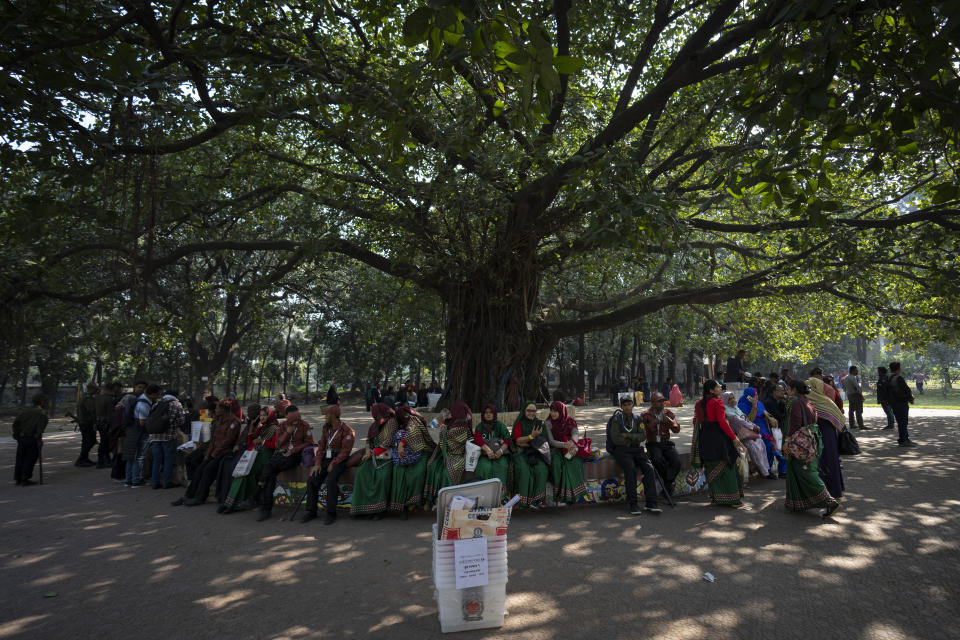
(402, 466)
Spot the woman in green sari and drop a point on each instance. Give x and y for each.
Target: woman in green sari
(529, 469)
(371, 486)
(716, 447)
(449, 459)
(566, 469)
(492, 437)
(410, 444)
(805, 488)
(261, 435)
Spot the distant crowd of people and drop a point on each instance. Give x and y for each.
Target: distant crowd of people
(788, 429)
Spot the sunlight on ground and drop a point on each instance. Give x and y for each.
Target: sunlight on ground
(20, 625)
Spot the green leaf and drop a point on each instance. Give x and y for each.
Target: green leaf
(417, 26)
(568, 64)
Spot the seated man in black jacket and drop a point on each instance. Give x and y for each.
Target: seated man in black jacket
(625, 440)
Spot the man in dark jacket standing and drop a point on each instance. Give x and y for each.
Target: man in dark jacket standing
(28, 428)
(87, 421)
(900, 399)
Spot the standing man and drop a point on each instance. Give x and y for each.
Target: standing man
(292, 436)
(87, 421)
(625, 439)
(103, 406)
(28, 428)
(163, 445)
(734, 371)
(658, 422)
(883, 395)
(851, 386)
(919, 379)
(135, 440)
(901, 397)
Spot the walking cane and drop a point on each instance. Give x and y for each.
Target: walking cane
(297, 508)
(663, 487)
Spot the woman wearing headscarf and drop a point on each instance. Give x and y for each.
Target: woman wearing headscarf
(410, 444)
(716, 447)
(764, 420)
(805, 488)
(831, 421)
(566, 469)
(332, 396)
(449, 459)
(530, 471)
(261, 436)
(494, 440)
(371, 486)
(748, 432)
(676, 397)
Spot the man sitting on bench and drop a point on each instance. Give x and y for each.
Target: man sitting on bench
(659, 422)
(625, 439)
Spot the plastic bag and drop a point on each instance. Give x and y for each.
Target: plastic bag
(473, 455)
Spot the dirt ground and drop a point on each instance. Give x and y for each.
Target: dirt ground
(85, 557)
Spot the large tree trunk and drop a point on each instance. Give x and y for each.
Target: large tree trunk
(581, 364)
(493, 353)
(286, 352)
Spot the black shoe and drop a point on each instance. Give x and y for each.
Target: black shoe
(908, 443)
(329, 519)
(84, 463)
(103, 465)
(222, 508)
(263, 516)
(27, 483)
(308, 516)
(888, 428)
(376, 516)
(177, 502)
(866, 428)
(831, 510)
(192, 502)
(404, 514)
(170, 486)
(653, 509)
(635, 509)
(157, 486)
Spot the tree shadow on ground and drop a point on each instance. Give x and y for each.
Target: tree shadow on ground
(122, 561)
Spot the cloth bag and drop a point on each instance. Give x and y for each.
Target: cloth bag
(245, 463)
(847, 444)
(472, 452)
(801, 445)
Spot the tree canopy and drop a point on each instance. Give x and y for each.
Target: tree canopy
(541, 169)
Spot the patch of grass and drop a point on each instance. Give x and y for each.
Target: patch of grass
(931, 398)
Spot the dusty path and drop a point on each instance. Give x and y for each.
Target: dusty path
(123, 563)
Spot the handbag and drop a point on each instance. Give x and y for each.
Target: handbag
(243, 466)
(746, 434)
(539, 451)
(801, 445)
(583, 448)
(847, 444)
(308, 456)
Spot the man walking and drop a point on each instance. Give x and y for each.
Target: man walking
(28, 428)
(901, 397)
(851, 386)
(103, 406)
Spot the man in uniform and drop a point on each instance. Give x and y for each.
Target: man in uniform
(658, 421)
(28, 430)
(292, 436)
(87, 421)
